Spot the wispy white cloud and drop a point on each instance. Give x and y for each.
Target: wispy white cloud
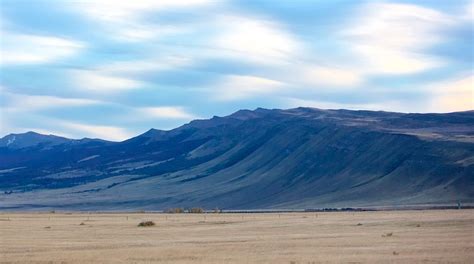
(254, 39)
(262, 56)
(283, 55)
(238, 87)
(452, 95)
(139, 32)
(164, 112)
(28, 103)
(390, 61)
(104, 132)
(146, 65)
(391, 38)
(113, 10)
(100, 82)
(330, 77)
(36, 49)
(124, 19)
(121, 76)
(469, 11)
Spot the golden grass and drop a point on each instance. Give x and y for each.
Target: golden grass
(333, 237)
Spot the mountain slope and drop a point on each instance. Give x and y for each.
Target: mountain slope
(296, 158)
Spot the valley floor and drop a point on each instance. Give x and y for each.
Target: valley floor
(432, 236)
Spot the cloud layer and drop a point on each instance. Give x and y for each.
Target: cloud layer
(112, 69)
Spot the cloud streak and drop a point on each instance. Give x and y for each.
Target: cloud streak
(149, 63)
(26, 103)
(256, 40)
(18, 49)
(164, 112)
(453, 95)
(391, 38)
(239, 87)
(100, 82)
(323, 76)
(93, 131)
(125, 19)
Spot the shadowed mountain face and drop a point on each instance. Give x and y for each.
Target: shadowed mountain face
(296, 158)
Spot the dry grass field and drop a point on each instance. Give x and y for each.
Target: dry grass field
(444, 236)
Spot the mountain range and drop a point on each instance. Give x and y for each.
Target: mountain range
(262, 159)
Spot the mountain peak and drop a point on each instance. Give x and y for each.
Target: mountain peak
(247, 114)
(30, 139)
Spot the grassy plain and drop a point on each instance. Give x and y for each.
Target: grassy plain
(436, 236)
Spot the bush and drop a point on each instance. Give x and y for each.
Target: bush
(196, 210)
(146, 223)
(175, 211)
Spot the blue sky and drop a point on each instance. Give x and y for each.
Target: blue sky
(112, 69)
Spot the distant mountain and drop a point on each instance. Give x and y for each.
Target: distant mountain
(30, 139)
(295, 158)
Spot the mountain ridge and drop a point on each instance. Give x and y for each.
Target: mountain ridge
(254, 159)
(239, 115)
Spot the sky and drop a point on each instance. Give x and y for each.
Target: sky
(113, 69)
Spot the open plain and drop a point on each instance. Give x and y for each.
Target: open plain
(432, 236)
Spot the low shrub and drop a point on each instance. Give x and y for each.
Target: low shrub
(196, 210)
(146, 223)
(175, 211)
